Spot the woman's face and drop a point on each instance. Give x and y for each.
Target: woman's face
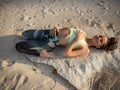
(99, 40)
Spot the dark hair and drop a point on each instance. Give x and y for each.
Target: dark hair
(112, 44)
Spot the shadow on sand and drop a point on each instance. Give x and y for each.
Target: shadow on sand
(9, 53)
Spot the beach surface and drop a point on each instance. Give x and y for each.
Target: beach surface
(17, 72)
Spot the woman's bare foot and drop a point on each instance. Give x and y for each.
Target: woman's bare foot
(46, 54)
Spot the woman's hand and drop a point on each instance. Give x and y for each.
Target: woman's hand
(55, 30)
(46, 54)
(80, 35)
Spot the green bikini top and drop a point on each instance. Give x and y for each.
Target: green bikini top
(73, 34)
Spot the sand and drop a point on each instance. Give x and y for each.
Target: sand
(16, 16)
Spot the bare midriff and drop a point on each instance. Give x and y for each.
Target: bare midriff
(64, 37)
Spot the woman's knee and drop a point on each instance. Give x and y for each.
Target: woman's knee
(25, 34)
(19, 46)
(28, 34)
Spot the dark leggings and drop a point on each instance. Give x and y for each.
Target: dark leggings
(38, 43)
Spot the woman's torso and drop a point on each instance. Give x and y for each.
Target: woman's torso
(66, 37)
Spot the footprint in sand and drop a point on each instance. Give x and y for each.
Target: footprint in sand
(5, 63)
(48, 84)
(14, 83)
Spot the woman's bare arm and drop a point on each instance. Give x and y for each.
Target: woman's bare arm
(82, 51)
(71, 52)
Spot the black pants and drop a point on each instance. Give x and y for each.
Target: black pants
(35, 42)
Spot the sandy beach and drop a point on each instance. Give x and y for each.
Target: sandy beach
(16, 71)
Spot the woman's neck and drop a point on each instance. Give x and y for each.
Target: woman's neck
(88, 40)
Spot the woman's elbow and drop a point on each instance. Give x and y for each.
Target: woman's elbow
(66, 54)
(86, 53)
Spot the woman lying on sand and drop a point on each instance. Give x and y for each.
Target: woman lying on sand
(42, 42)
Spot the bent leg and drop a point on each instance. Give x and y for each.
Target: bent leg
(33, 47)
(36, 34)
(25, 47)
(28, 34)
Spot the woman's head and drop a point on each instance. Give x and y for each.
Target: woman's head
(103, 42)
(112, 44)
